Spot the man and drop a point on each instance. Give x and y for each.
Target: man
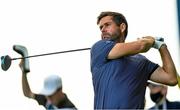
(158, 94)
(119, 73)
(52, 96)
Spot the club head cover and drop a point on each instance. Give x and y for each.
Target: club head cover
(5, 62)
(24, 53)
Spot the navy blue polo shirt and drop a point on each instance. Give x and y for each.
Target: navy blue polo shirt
(119, 83)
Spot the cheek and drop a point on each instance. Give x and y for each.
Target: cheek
(116, 32)
(112, 30)
(115, 29)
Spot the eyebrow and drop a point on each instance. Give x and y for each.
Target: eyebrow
(107, 23)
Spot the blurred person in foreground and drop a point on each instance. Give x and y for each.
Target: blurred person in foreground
(158, 93)
(51, 97)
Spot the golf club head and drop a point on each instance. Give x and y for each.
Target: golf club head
(5, 62)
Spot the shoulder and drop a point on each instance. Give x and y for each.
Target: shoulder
(140, 56)
(137, 58)
(103, 43)
(41, 99)
(102, 46)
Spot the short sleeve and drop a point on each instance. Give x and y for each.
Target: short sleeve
(41, 99)
(100, 51)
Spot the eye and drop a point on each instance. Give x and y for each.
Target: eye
(108, 24)
(100, 27)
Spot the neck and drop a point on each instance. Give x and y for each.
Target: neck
(121, 39)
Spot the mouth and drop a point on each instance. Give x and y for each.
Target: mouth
(105, 36)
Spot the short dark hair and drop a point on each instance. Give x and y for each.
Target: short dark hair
(118, 18)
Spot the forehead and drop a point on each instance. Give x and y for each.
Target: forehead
(105, 20)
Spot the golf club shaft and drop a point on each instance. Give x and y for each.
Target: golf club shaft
(52, 53)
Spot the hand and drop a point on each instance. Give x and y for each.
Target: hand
(146, 42)
(21, 65)
(148, 39)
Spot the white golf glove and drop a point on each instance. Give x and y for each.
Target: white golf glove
(159, 41)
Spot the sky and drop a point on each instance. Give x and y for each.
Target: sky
(45, 26)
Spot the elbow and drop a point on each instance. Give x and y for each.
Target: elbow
(173, 79)
(26, 94)
(173, 82)
(29, 95)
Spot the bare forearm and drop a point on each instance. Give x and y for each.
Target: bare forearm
(123, 49)
(25, 86)
(131, 48)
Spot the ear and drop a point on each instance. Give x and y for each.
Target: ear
(122, 27)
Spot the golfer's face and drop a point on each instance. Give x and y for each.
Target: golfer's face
(108, 28)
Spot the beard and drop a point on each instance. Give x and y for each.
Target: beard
(116, 36)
